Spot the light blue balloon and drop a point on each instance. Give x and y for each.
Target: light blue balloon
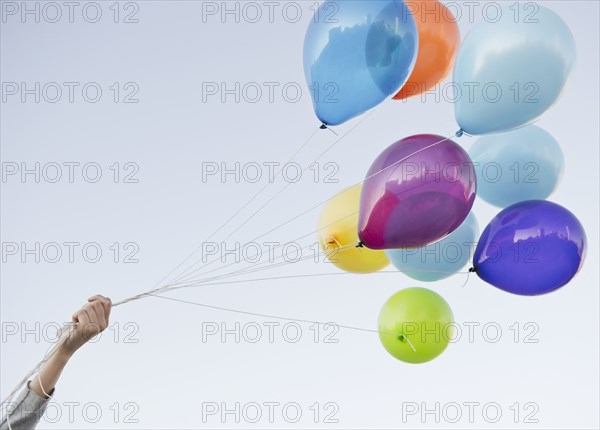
(508, 73)
(441, 259)
(522, 164)
(356, 54)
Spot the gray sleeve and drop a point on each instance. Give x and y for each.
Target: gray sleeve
(24, 412)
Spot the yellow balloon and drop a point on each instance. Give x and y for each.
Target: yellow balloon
(338, 235)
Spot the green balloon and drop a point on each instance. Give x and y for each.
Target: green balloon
(416, 325)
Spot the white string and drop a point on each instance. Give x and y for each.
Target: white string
(258, 252)
(236, 213)
(275, 278)
(41, 386)
(184, 274)
(396, 163)
(299, 320)
(235, 273)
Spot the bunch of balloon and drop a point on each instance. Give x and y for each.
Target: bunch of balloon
(420, 191)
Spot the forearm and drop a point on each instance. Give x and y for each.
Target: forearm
(50, 373)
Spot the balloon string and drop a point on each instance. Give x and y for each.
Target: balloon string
(267, 266)
(250, 270)
(289, 183)
(244, 206)
(210, 281)
(277, 317)
(308, 275)
(270, 265)
(368, 177)
(283, 189)
(189, 277)
(180, 285)
(325, 201)
(159, 289)
(67, 329)
(263, 235)
(258, 253)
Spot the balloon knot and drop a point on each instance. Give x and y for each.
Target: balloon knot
(360, 245)
(459, 133)
(472, 270)
(323, 126)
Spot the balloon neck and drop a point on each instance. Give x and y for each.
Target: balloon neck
(325, 127)
(472, 270)
(459, 133)
(401, 338)
(333, 241)
(360, 244)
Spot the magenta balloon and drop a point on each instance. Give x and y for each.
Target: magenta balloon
(419, 190)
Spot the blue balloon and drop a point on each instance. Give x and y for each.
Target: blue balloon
(530, 248)
(522, 164)
(441, 259)
(511, 70)
(356, 54)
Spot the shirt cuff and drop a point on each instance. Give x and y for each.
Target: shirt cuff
(34, 399)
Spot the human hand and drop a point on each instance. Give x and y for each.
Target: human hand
(90, 320)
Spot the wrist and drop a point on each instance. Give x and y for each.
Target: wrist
(64, 352)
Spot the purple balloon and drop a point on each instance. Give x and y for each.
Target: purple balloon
(530, 248)
(419, 190)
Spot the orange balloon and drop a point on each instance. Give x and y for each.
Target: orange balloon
(438, 42)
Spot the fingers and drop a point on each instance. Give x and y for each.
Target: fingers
(98, 309)
(88, 322)
(106, 303)
(93, 316)
(81, 317)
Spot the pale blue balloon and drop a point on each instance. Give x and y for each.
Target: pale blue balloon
(356, 54)
(441, 259)
(522, 164)
(508, 73)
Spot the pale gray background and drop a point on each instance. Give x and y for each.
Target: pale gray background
(170, 372)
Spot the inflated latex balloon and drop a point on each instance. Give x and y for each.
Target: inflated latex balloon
(441, 259)
(416, 325)
(509, 71)
(417, 191)
(357, 53)
(439, 38)
(338, 238)
(522, 164)
(530, 248)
